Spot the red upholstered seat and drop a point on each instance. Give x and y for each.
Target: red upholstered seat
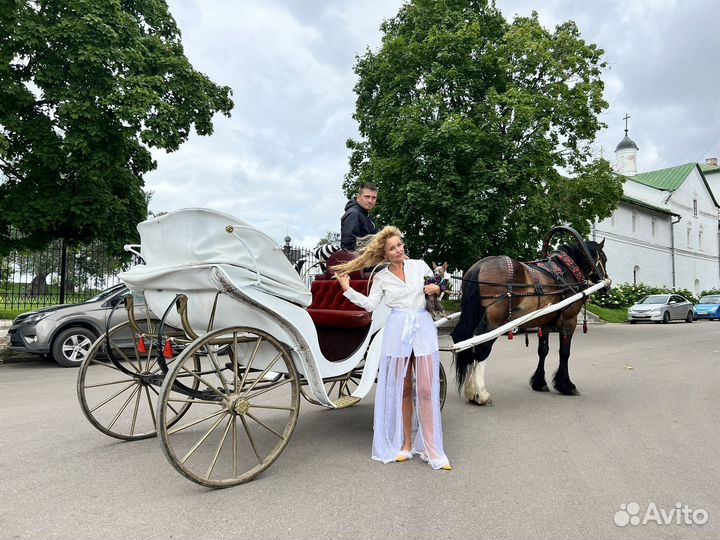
(330, 308)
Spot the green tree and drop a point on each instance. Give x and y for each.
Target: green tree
(331, 237)
(86, 89)
(477, 130)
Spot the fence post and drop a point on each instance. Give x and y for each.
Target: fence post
(63, 270)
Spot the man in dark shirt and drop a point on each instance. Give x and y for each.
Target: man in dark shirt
(356, 221)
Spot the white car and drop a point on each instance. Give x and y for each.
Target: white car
(661, 308)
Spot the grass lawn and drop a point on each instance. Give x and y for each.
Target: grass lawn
(617, 315)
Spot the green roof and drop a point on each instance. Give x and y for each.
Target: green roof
(665, 179)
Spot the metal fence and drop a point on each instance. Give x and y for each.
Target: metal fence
(60, 274)
(57, 275)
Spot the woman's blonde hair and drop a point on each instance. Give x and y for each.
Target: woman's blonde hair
(371, 250)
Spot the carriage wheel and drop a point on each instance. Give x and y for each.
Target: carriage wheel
(443, 386)
(335, 387)
(247, 407)
(118, 403)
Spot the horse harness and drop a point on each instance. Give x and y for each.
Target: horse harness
(551, 266)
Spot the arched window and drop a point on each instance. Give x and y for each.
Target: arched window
(653, 226)
(634, 221)
(689, 233)
(695, 207)
(636, 275)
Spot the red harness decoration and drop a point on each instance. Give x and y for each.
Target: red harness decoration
(552, 268)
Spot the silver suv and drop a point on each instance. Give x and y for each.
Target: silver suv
(66, 332)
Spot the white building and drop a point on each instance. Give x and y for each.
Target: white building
(665, 230)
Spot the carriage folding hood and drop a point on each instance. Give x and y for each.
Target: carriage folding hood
(198, 238)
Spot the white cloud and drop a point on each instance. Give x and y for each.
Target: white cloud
(280, 160)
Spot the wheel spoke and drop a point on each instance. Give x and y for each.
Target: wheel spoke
(105, 384)
(96, 407)
(259, 378)
(169, 406)
(275, 407)
(266, 390)
(125, 357)
(250, 437)
(195, 422)
(200, 379)
(235, 446)
(219, 448)
(250, 362)
(150, 405)
(213, 359)
(271, 430)
(202, 440)
(134, 419)
(127, 401)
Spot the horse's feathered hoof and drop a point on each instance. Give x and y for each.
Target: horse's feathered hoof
(574, 392)
(544, 389)
(477, 400)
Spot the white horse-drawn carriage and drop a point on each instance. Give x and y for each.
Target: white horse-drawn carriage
(222, 340)
(224, 337)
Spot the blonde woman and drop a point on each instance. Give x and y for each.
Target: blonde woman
(409, 375)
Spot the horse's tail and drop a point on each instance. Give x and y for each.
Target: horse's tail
(472, 322)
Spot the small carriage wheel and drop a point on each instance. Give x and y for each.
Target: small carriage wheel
(120, 400)
(443, 386)
(247, 407)
(335, 387)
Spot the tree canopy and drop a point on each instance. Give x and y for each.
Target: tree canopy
(478, 130)
(86, 89)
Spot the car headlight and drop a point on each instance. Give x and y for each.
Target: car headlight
(32, 319)
(655, 312)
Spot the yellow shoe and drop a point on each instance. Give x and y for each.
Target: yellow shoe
(446, 467)
(404, 455)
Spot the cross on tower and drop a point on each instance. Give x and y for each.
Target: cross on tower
(626, 119)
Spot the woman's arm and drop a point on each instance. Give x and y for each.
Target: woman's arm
(369, 302)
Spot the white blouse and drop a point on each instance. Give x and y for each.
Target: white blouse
(405, 295)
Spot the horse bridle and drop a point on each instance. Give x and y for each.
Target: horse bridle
(596, 264)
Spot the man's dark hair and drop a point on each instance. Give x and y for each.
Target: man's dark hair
(367, 185)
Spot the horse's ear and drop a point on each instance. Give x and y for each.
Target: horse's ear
(602, 244)
(434, 265)
(445, 266)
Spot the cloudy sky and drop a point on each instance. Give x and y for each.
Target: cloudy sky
(280, 160)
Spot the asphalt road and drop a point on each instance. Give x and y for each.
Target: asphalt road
(533, 465)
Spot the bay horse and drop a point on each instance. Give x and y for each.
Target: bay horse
(498, 289)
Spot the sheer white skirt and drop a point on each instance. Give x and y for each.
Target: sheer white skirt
(408, 332)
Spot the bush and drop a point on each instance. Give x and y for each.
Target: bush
(625, 295)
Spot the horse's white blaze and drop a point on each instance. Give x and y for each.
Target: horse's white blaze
(475, 385)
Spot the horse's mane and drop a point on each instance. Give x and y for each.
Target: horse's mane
(575, 252)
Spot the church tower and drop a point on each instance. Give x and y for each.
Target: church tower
(626, 155)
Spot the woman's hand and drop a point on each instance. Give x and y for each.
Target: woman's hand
(343, 280)
(432, 289)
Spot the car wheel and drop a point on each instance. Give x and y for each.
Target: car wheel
(71, 346)
(689, 317)
(666, 317)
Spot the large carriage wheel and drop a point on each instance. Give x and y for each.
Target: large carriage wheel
(120, 400)
(245, 408)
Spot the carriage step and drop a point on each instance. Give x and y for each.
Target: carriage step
(345, 401)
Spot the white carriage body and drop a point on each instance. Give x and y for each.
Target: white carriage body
(200, 253)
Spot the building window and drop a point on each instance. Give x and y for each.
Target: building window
(653, 226)
(689, 233)
(695, 207)
(634, 221)
(612, 219)
(700, 235)
(636, 275)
